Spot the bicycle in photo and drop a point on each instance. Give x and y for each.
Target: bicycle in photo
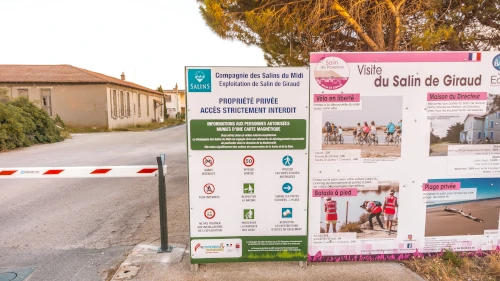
(328, 138)
(389, 140)
(366, 139)
(374, 139)
(397, 140)
(356, 139)
(339, 139)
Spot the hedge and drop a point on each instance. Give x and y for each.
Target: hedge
(23, 124)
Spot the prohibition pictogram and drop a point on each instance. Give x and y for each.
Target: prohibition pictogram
(248, 161)
(209, 213)
(208, 161)
(209, 188)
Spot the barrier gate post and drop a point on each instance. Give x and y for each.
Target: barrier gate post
(162, 194)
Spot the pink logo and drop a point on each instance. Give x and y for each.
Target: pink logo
(331, 73)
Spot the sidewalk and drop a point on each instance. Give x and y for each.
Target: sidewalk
(144, 263)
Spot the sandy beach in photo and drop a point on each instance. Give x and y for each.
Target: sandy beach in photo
(441, 223)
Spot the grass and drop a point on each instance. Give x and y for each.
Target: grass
(451, 266)
(136, 128)
(151, 126)
(80, 130)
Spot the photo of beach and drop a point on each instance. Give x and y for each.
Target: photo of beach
(379, 113)
(465, 217)
(351, 217)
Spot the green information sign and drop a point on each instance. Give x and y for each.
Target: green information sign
(248, 134)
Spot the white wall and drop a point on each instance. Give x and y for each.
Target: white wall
(136, 116)
(173, 105)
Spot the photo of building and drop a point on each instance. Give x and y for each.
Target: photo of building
(479, 127)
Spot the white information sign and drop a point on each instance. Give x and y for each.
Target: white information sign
(433, 185)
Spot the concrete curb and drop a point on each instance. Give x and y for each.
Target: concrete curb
(147, 253)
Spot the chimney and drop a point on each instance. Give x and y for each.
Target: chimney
(123, 76)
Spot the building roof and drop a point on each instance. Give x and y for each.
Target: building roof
(170, 92)
(478, 116)
(60, 74)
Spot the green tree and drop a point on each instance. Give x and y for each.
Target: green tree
(160, 89)
(434, 138)
(4, 98)
(453, 132)
(287, 31)
(494, 103)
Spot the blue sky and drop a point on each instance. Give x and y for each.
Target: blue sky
(151, 40)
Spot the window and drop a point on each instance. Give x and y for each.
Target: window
(46, 101)
(128, 104)
(22, 93)
(497, 115)
(491, 124)
(479, 135)
(168, 98)
(122, 104)
(114, 104)
(491, 135)
(147, 105)
(139, 104)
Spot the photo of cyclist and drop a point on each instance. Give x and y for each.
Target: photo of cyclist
(400, 127)
(328, 128)
(359, 130)
(366, 130)
(390, 130)
(373, 130)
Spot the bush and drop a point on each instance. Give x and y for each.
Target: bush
(363, 218)
(23, 124)
(350, 227)
(59, 121)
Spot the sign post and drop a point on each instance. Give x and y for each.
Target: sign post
(162, 197)
(248, 163)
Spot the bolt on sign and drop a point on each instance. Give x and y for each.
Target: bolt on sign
(248, 163)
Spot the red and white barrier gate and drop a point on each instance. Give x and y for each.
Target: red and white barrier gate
(104, 172)
(81, 172)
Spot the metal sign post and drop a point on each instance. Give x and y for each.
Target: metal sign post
(162, 195)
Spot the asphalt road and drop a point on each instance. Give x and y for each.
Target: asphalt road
(78, 229)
